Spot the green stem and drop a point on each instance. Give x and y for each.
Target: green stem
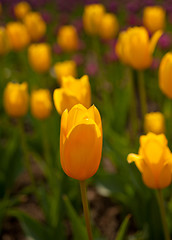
(142, 93)
(133, 105)
(86, 209)
(162, 212)
(26, 154)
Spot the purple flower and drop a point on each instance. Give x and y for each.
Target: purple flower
(165, 41)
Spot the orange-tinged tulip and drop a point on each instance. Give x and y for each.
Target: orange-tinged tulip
(154, 161)
(108, 26)
(21, 9)
(80, 141)
(64, 69)
(165, 73)
(16, 99)
(4, 41)
(154, 122)
(41, 104)
(92, 17)
(135, 48)
(39, 57)
(18, 35)
(67, 38)
(35, 25)
(154, 18)
(73, 91)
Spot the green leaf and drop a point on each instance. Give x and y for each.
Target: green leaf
(122, 230)
(31, 227)
(78, 227)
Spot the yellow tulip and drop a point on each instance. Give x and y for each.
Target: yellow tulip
(92, 17)
(154, 161)
(154, 122)
(73, 91)
(80, 141)
(18, 35)
(16, 99)
(108, 26)
(64, 69)
(35, 25)
(39, 56)
(4, 41)
(165, 73)
(41, 104)
(154, 18)
(67, 38)
(21, 9)
(135, 48)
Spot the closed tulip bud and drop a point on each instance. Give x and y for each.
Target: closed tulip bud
(135, 48)
(108, 26)
(21, 9)
(80, 141)
(4, 41)
(64, 69)
(39, 57)
(165, 73)
(154, 18)
(41, 104)
(154, 122)
(73, 91)
(18, 35)
(154, 161)
(67, 38)
(92, 17)
(16, 99)
(35, 25)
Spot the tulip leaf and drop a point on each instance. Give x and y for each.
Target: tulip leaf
(78, 227)
(31, 227)
(122, 230)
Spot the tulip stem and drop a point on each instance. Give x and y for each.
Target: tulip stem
(133, 106)
(142, 93)
(26, 154)
(86, 209)
(162, 213)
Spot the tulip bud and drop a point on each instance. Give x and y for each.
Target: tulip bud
(64, 69)
(165, 73)
(80, 141)
(134, 47)
(108, 26)
(92, 17)
(16, 99)
(67, 38)
(21, 9)
(41, 104)
(154, 122)
(4, 41)
(18, 35)
(35, 25)
(40, 57)
(154, 161)
(154, 18)
(72, 91)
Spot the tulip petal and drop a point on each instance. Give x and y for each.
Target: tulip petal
(76, 115)
(63, 99)
(137, 159)
(82, 151)
(165, 176)
(63, 129)
(148, 177)
(154, 39)
(95, 115)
